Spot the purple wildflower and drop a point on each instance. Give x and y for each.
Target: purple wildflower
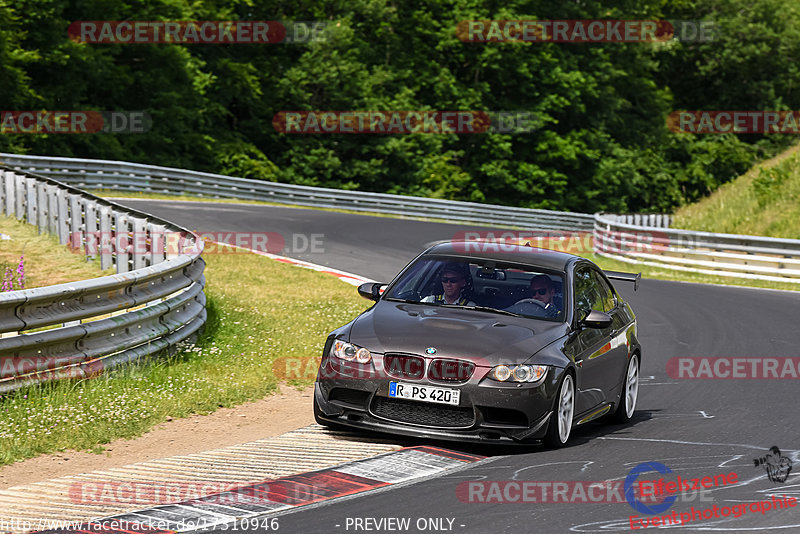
(21, 272)
(7, 280)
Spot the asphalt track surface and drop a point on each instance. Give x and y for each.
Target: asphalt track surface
(695, 427)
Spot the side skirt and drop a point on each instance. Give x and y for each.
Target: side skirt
(595, 414)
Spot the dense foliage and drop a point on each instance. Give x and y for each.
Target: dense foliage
(602, 143)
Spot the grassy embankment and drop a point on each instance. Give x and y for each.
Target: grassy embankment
(763, 201)
(46, 262)
(259, 310)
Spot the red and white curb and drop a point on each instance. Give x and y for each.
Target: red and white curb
(285, 493)
(350, 278)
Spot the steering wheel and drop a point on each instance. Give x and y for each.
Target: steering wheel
(410, 295)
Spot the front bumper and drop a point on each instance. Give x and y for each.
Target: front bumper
(488, 411)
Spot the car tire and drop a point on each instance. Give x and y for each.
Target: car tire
(630, 392)
(560, 427)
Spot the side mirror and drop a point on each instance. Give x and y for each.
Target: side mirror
(370, 290)
(596, 319)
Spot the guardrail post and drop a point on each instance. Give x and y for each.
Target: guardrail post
(2, 189)
(19, 207)
(30, 200)
(158, 242)
(43, 208)
(104, 243)
(76, 227)
(139, 243)
(9, 189)
(52, 209)
(63, 216)
(172, 245)
(121, 242)
(92, 241)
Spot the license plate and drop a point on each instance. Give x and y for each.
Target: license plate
(424, 393)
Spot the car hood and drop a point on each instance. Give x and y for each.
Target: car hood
(482, 337)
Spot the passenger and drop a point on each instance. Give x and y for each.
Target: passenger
(454, 280)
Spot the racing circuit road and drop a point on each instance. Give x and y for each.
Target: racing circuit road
(695, 427)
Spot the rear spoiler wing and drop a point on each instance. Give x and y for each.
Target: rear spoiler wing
(625, 277)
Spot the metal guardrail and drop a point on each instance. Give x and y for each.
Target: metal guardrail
(154, 301)
(732, 255)
(134, 177)
(640, 219)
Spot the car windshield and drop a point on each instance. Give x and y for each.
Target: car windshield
(485, 284)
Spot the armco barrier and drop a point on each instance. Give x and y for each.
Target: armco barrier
(738, 256)
(134, 177)
(154, 301)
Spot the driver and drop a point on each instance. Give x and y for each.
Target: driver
(453, 278)
(543, 289)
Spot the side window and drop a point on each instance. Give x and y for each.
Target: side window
(587, 296)
(607, 299)
(413, 280)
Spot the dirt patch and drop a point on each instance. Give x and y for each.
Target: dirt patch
(287, 410)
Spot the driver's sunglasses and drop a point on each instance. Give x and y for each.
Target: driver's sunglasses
(451, 280)
(541, 291)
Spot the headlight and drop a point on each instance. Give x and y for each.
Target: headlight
(518, 373)
(350, 352)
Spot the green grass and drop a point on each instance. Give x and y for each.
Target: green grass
(259, 310)
(764, 201)
(46, 262)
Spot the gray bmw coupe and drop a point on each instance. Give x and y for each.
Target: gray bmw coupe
(473, 342)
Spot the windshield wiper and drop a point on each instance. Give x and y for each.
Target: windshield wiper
(409, 301)
(483, 308)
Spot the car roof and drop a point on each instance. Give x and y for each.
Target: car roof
(539, 257)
